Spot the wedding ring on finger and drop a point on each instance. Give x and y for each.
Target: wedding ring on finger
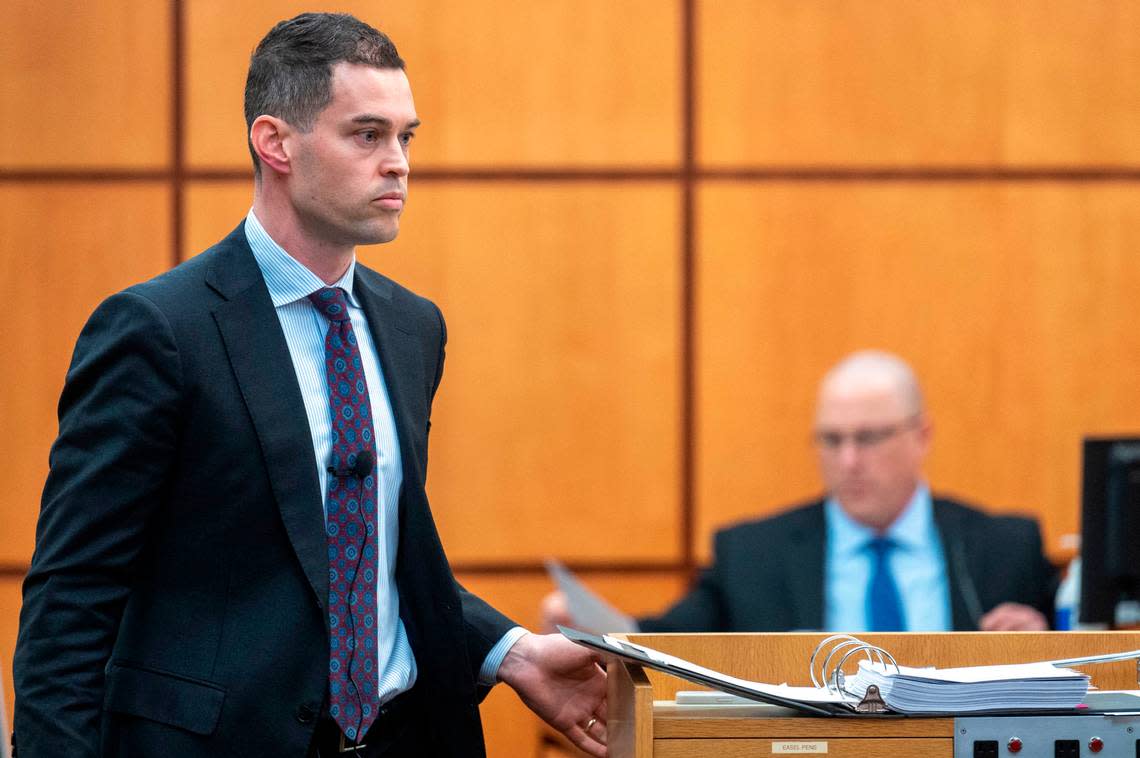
(593, 720)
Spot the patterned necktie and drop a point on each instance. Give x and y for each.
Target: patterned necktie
(350, 523)
(884, 606)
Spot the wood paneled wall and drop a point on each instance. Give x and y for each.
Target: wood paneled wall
(652, 227)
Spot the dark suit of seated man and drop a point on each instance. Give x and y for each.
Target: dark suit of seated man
(878, 553)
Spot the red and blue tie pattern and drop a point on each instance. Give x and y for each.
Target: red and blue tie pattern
(350, 523)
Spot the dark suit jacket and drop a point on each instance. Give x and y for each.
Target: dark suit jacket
(768, 574)
(174, 604)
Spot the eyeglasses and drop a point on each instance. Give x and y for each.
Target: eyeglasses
(863, 439)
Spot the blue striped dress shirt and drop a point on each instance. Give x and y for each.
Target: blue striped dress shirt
(289, 284)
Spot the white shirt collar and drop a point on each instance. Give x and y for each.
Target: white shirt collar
(912, 529)
(286, 278)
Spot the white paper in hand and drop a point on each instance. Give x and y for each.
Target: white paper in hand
(587, 608)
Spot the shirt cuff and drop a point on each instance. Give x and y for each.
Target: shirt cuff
(489, 671)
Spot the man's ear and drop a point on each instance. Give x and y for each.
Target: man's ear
(925, 432)
(267, 135)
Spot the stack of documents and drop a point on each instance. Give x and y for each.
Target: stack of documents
(1026, 686)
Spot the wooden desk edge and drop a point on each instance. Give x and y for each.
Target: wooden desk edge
(629, 722)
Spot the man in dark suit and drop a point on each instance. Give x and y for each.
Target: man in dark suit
(992, 563)
(235, 553)
(879, 553)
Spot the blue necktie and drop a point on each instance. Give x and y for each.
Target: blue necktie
(884, 606)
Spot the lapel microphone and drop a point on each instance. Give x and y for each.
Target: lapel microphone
(365, 460)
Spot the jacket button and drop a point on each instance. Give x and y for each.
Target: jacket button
(306, 713)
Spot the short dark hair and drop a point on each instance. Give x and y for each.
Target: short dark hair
(290, 72)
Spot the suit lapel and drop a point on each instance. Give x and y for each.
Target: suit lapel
(422, 576)
(804, 567)
(965, 606)
(400, 360)
(257, 351)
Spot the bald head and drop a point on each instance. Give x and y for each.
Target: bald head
(873, 370)
(872, 436)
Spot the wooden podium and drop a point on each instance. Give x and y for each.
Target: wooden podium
(643, 722)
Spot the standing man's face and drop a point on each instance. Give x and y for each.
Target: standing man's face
(350, 171)
(871, 448)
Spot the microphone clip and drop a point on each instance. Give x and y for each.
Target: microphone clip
(360, 465)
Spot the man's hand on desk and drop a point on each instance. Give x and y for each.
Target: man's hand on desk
(564, 684)
(1014, 617)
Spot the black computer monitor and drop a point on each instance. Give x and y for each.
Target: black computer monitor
(1110, 529)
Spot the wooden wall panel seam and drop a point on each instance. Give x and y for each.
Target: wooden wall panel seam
(1069, 174)
(687, 235)
(178, 136)
(916, 174)
(64, 176)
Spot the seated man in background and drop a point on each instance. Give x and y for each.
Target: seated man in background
(879, 553)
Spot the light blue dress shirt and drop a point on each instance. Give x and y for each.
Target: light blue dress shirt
(917, 563)
(289, 284)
